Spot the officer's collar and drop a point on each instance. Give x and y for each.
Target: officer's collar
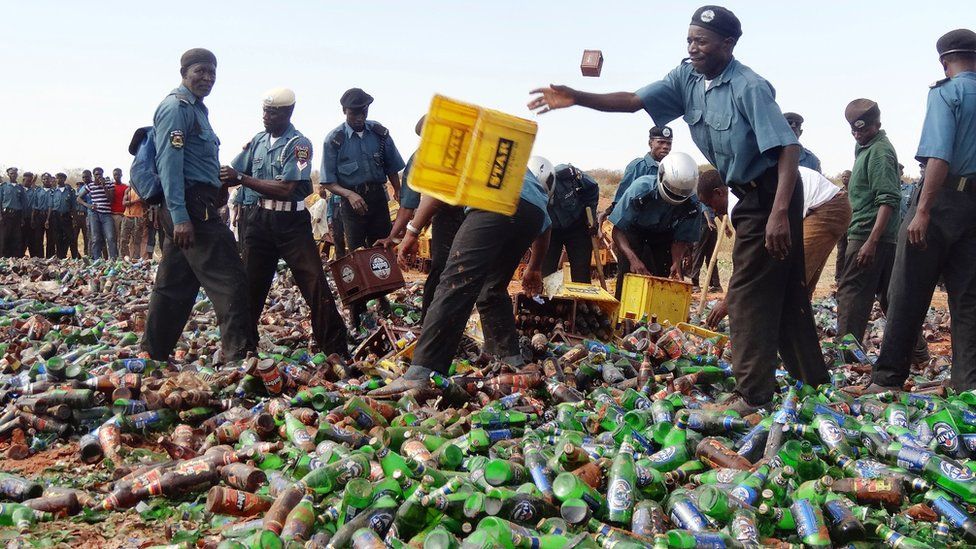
(186, 94)
(649, 159)
(967, 74)
(881, 133)
(726, 75)
(349, 131)
(285, 134)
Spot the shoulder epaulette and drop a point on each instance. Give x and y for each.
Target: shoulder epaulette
(379, 129)
(338, 137)
(938, 83)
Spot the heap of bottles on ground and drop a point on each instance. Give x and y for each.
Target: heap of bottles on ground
(591, 444)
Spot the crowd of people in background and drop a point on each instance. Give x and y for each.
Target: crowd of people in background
(95, 217)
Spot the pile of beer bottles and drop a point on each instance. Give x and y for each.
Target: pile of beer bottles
(615, 443)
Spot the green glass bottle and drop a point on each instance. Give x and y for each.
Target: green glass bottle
(568, 485)
(810, 524)
(623, 481)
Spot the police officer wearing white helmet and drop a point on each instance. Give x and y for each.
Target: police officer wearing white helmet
(657, 219)
(571, 192)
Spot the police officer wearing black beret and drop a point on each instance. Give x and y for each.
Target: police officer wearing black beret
(938, 236)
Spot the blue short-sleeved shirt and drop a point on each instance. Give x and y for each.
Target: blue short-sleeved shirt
(353, 160)
(641, 209)
(63, 199)
(44, 199)
(949, 131)
(186, 149)
(287, 157)
(31, 198)
(409, 198)
(571, 196)
(12, 196)
(809, 160)
(533, 193)
(736, 123)
(645, 165)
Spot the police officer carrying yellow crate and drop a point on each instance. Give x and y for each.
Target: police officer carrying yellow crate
(276, 168)
(938, 237)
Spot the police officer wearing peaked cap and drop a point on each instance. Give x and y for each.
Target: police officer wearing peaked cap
(938, 237)
(735, 121)
(358, 158)
(12, 199)
(807, 158)
(276, 168)
(199, 249)
(659, 143)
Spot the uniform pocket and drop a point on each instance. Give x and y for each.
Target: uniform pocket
(348, 168)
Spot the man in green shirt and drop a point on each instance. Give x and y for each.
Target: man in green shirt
(875, 197)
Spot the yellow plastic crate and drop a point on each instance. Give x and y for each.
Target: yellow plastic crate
(652, 295)
(472, 156)
(423, 249)
(704, 333)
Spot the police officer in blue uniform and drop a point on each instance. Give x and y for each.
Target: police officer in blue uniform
(199, 249)
(938, 237)
(807, 158)
(11, 215)
(571, 194)
(32, 239)
(487, 249)
(443, 226)
(358, 158)
(276, 167)
(44, 204)
(660, 139)
(736, 123)
(62, 206)
(657, 219)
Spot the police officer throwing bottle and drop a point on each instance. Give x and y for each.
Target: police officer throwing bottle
(276, 167)
(736, 123)
(200, 249)
(938, 237)
(571, 193)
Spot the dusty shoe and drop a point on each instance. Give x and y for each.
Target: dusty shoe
(737, 404)
(416, 379)
(874, 389)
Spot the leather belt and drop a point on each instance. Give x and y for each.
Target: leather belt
(962, 184)
(281, 205)
(742, 189)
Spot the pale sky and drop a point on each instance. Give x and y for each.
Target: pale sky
(82, 76)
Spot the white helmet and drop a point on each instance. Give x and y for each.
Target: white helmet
(677, 177)
(543, 170)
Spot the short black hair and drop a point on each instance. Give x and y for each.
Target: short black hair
(709, 181)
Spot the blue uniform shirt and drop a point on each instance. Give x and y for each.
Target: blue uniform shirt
(571, 197)
(31, 197)
(44, 199)
(809, 160)
(63, 199)
(12, 196)
(285, 158)
(409, 198)
(645, 165)
(642, 209)
(533, 193)
(736, 123)
(353, 161)
(949, 131)
(186, 149)
(245, 197)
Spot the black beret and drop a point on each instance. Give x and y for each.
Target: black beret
(957, 41)
(661, 132)
(792, 117)
(861, 112)
(197, 55)
(355, 98)
(717, 19)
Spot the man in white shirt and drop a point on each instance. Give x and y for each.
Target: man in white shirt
(826, 216)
